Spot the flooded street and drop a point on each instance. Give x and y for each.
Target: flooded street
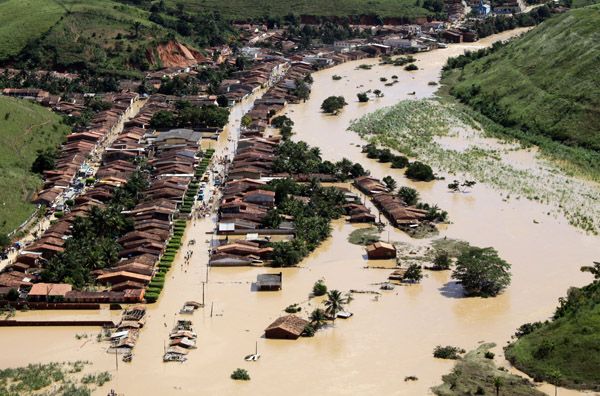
(391, 336)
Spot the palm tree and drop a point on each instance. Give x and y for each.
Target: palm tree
(317, 318)
(498, 382)
(335, 303)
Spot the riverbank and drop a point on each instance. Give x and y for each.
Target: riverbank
(391, 335)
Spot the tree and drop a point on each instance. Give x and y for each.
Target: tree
(409, 195)
(302, 90)
(163, 119)
(4, 241)
(319, 288)
(136, 28)
(246, 121)
(333, 104)
(419, 171)
(385, 155)
(594, 270)
(482, 272)
(555, 378)
(45, 160)
(399, 162)
(335, 303)
(454, 186)
(442, 261)
(413, 274)
(390, 183)
(317, 318)
(498, 383)
(362, 97)
(222, 101)
(378, 93)
(12, 295)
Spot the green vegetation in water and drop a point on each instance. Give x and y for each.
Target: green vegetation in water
(26, 128)
(447, 352)
(319, 288)
(240, 375)
(482, 272)
(474, 374)
(564, 351)
(36, 379)
(451, 140)
(364, 236)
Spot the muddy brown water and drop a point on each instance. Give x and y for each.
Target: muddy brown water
(391, 336)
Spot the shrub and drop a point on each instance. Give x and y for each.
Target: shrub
(411, 67)
(335, 77)
(447, 352)
(442, 261)
(309, 331)
(419, 171)
(489, 355)
(399, 162)
(294, 308)
(409, 195)
(362, 97)
(240, 374)
(59, 214)
(319, 288)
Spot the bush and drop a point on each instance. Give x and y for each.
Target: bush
(399, 162)
(151, 297)
(240, 374)
(319, 288)
(362, 97)
(447, 352)
(294, 308)
(59, 214)
(309, 331)
(419, 171)
(411, 67)
(489, 355)
(335, 77)
(442, 261)
(409, 195)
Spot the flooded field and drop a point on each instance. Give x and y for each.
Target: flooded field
(392, 334)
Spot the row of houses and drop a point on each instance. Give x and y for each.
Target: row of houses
(80, 147)
(393, 207)
(172, 156)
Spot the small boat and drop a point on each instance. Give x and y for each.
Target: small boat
(344, 314)
(127, 357)
(254, 356)
(174, 357)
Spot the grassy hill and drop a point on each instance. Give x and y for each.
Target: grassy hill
(24, 128)
(245, 9)
(545, 84)
(22, 20)
(100, 35)
(566, 350)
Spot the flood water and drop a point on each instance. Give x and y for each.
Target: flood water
(391, 335)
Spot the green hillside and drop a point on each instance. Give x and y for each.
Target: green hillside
(23, 20)
(566, 350)
(24, 128)
(546, 83)
(245, 9)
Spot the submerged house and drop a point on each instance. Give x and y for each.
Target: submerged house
(381, 251)
(288, 327)
(269, 282)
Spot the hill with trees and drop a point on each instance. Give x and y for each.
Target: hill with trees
(564, 351)
(25, 128)
(99, 36)
(543, 87)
